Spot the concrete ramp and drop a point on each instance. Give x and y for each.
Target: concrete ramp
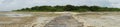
(64, 21)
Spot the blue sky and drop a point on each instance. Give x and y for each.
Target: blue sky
(8, 5)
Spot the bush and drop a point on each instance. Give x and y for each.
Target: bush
(69, 8)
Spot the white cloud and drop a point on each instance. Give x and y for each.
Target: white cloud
(7, 5)
(115, 3)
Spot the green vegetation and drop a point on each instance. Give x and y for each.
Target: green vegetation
(68, 8)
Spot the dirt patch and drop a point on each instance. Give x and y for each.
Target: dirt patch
(64, 21)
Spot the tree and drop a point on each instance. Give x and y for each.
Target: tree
(94, 8)
(69, 8)
(83, 8)
(59, 8)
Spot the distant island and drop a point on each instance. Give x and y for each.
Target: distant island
(70, 8)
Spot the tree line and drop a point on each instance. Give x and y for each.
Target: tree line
(72, 8)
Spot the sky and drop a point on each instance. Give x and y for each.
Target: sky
(8, 5)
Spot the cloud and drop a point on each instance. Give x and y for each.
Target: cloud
(115, 3)
(8, 5)
(7, 1)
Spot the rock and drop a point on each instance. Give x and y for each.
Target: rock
(64, 21)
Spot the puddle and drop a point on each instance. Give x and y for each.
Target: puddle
(8, 22)
(18, 15)
(15, 15)
(2, 15)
